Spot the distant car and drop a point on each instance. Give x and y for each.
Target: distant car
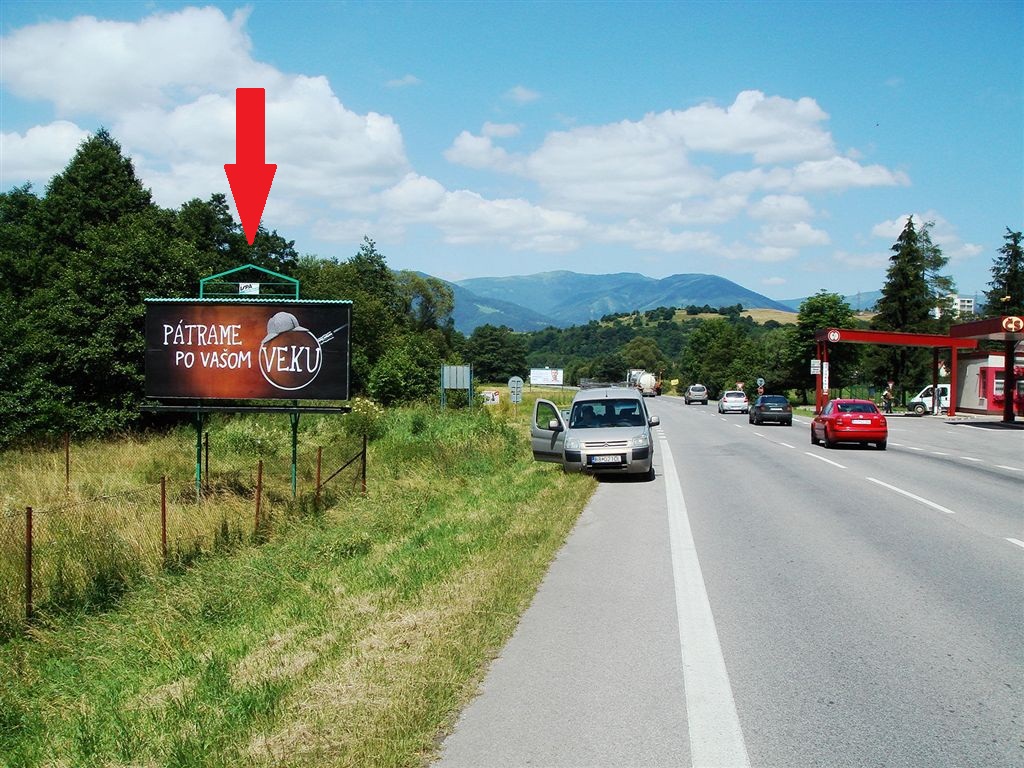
(608, 430)
(696, 393)
(850, 421)
(733, 401)
(770, 408)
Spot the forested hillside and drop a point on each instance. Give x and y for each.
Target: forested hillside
(78, 261)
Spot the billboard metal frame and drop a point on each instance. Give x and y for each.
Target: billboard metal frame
(200, 408)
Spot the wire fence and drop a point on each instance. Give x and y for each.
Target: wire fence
(89, 534)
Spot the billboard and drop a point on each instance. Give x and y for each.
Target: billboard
(247, 349)
(546, 376)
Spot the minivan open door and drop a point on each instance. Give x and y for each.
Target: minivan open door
(547, 432)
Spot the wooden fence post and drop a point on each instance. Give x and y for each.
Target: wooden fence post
(364, 465)
(206, 471)
(28, 563)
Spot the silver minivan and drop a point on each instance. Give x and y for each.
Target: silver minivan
(608, 430)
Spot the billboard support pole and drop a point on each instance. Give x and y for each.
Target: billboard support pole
(295, 448)
(199, 455)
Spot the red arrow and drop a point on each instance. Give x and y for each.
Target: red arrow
(250, 176)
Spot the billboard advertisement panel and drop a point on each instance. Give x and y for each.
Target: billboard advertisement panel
(546, 376)
(247, 349)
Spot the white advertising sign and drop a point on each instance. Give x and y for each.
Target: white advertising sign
(546, 377)
(824, 377)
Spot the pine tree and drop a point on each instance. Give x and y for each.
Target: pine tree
(905, 306)
(1006, 296)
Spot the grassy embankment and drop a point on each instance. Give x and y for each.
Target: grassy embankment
(348, 638)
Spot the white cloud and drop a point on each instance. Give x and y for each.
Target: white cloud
(798, 235)
(773, 281)
(841, 173)
(403, 82)
(773, 253)
(175, 114)
(625, 166)
(87, 65)
(468, 218)
(782, 208)
(40, 154)
(644, 236)
(658, 184)
(521, 95)
(716, 210)
(480, 152)
(873, 261)
(771, 129)
(501, 130)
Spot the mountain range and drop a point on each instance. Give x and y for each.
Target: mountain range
(563, 298)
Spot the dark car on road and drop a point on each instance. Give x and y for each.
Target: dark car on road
(771, 408)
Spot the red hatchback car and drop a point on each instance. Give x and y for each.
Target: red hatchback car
(850, 421)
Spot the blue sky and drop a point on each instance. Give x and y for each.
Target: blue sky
(779, 145)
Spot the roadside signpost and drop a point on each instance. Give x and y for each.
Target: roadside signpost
(515, 390)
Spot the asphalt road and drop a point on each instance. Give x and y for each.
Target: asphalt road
(766, 602)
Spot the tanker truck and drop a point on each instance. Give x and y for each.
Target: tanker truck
(648, 384)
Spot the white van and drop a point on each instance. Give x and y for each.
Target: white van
(923, 403)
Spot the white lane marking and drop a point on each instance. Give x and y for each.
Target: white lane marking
(939, 453)
(787, 445)
(738, 426)
(914, 448)
(1018, 542)
(1012, 469)
(759, 434)
(716, 737)
(822, 458)
(970, 458)
(913, 496)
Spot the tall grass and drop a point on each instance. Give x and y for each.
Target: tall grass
(97, 527)
(348, 638)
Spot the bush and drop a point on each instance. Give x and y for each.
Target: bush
(365, 420)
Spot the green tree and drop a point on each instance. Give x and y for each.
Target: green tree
(1006, 294)
(92, 250)
(941, 287)
(220, 241)
(378, 312)
(98, 187)
(713, 355)
(907, 301)
(905, 306)
(497, 353)
(643, 352)
(406, 372)
(818, 312)
(19, 240)
(427, 302)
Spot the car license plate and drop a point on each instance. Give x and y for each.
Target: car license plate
(605, 459)
(862, 421)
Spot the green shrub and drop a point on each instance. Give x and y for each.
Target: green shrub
(365, 420)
